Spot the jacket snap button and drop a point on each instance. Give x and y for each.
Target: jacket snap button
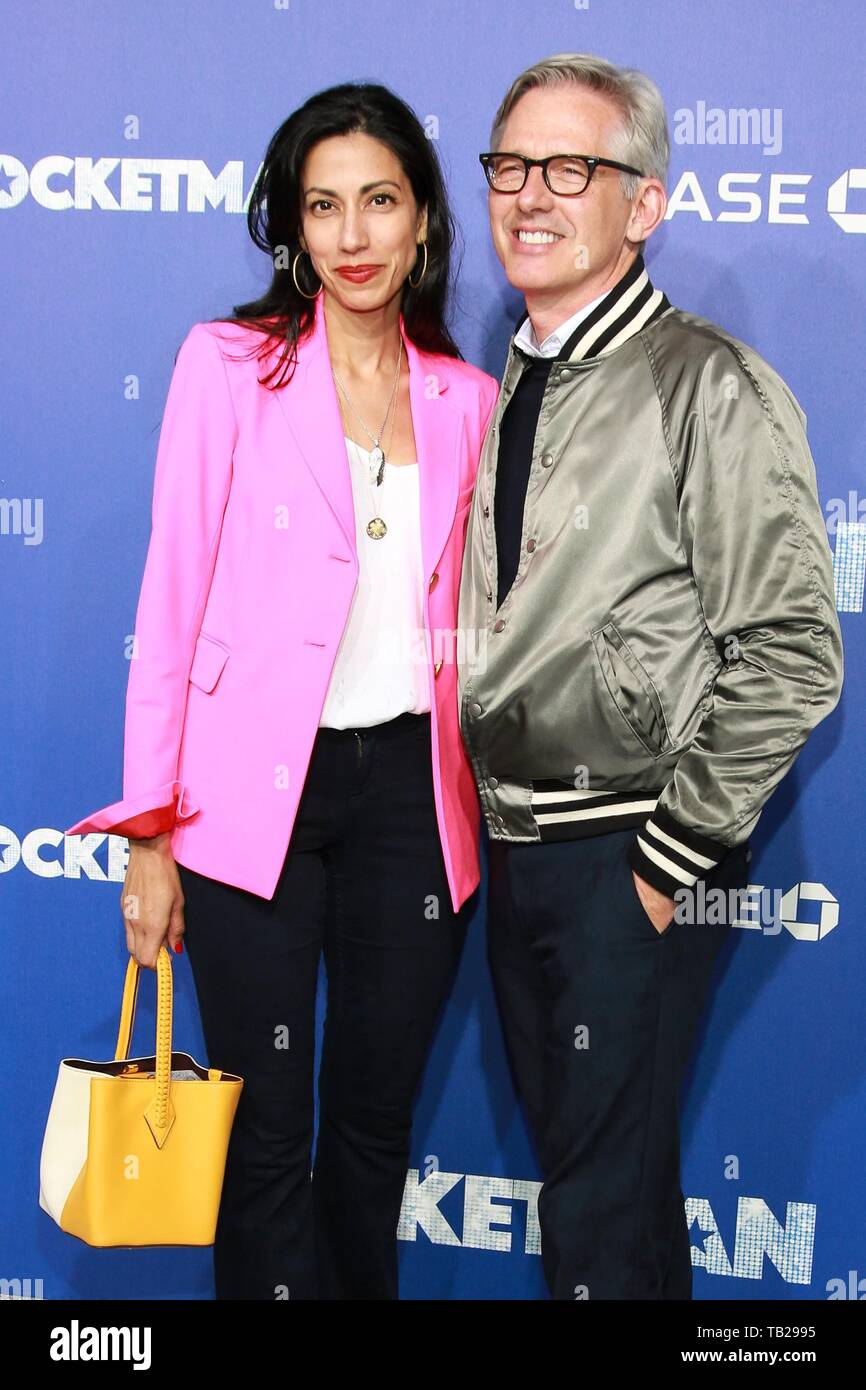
(434, 580)
(475, 709)
(499, 625)
(493, 783)
(546, 460)
(530, 546)
(486, 511)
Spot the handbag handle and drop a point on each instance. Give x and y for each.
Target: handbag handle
(159, 1113)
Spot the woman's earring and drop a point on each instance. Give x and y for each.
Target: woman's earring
(295, 277)
(416, 283)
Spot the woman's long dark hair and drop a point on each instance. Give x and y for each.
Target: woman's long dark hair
(274, 218)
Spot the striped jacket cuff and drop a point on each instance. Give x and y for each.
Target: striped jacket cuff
(670, 855)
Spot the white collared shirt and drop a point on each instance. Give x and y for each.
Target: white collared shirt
(525, 336)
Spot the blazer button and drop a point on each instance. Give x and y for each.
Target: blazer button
(546, 460)
(437, 668)
(434, 580)
(499, 625)
(530, 546)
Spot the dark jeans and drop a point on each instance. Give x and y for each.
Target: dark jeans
(364, 881)
(599, 1012)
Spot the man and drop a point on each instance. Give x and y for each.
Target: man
(648, 569)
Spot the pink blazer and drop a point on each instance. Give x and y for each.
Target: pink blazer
(250, 573)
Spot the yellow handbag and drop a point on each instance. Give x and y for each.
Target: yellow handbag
(134, 1150)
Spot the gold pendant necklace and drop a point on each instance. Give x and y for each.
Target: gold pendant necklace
(376, 527)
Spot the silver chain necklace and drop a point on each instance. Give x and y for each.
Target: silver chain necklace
(377, 453)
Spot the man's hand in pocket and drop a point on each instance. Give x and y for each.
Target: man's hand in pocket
(658, 908)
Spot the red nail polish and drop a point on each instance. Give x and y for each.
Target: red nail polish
(178, 947)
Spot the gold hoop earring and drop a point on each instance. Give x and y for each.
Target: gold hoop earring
(295, 276)
(416, 283)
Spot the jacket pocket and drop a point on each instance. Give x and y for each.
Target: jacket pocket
(631, 690)
(208, 660)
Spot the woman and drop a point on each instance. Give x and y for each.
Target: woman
(294, 780)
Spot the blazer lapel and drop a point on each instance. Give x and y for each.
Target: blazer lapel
(436, 424)
(312, 416)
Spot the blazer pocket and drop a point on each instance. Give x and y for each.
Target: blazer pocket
(631, 690)
(208, 660)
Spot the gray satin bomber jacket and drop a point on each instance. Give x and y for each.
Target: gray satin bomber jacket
(671, 636)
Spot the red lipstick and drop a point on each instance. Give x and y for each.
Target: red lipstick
(358, 274)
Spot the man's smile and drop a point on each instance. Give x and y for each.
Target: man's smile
(526, 236)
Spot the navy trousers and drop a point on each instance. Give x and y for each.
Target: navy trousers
(364, 882)
(599, 1012)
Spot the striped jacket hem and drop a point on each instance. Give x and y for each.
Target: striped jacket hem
(665, 853)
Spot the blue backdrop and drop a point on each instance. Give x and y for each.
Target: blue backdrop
(130, 138)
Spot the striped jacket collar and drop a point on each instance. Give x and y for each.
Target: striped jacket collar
(630, 305)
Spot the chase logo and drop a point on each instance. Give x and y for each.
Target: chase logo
(810, 929)
(837, 201)
(793, 910)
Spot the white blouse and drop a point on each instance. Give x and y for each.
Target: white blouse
(381, 668)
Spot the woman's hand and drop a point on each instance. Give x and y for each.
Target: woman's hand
(152, 899)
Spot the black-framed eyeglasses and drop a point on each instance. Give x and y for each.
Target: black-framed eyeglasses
(565, 174)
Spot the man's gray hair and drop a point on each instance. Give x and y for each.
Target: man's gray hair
(640, 138)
